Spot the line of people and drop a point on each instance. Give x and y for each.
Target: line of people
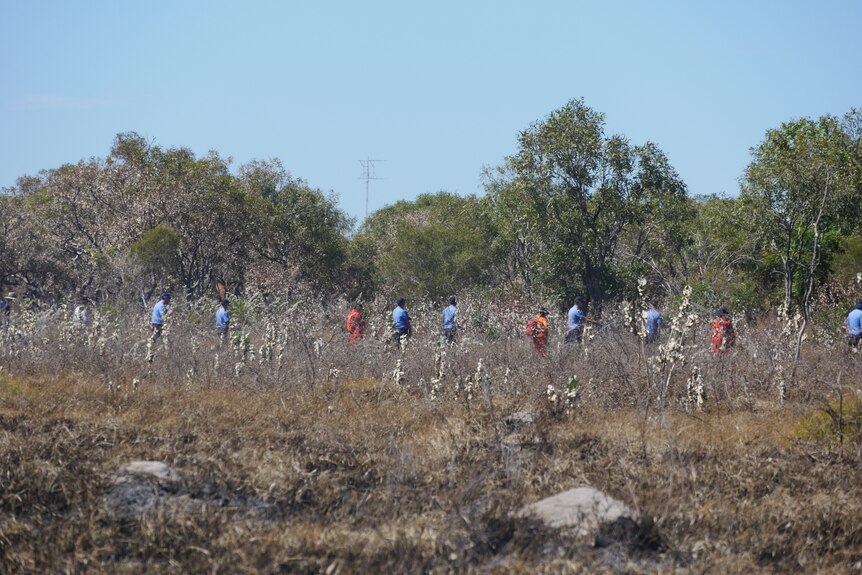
(722, 332)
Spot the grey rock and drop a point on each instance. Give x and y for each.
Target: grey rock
(156, 470)
(586, 513)
(139, 487)
(520, 420)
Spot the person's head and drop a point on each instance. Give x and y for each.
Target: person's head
(579, 301)
(400, 302)
(452, 301)
(653, 304)
(721, 312)
(543, 311)
(358, 306)
(225, 303)
(859, 305)
(166, 297)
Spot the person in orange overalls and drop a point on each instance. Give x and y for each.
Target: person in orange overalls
(537, 329)
(355, 324)
(723, 334)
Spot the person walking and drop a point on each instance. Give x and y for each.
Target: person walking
(723, 334)
(82, 315)
(355, 325)
(854, 326)
(537, 330)
(222, 319)
(401, 323)
(450, 326)
(158, 316)
(576, 321)
(652, 323)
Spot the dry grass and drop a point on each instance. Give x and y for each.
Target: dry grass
(363, 476)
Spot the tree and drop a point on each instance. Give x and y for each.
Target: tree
(800, 183)
(573, 193)
(431, 247)
(296, 226)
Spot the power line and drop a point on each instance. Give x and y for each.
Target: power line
(368, 175)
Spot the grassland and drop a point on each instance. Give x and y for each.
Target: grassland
(363, 476)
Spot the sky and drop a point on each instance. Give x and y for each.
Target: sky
(436, 91)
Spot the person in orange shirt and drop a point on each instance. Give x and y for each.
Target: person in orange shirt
(537, 329)
(355, 324)
(723, 334)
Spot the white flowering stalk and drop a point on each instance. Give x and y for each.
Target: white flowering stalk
(641, 326)
(333, 373)
(552, 395)
(151, 353)
(672, 352)
(166, 328)
(629, 316)
(439, 356)
(318, 347)
(238, 367)
(694, 388)
(398, 374)
(436, 387)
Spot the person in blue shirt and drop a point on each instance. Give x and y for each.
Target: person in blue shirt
(449, 316)
(222, 318)
(652, 325)
(854, 325)
(158, 318)
(401, 323)
(576, 319)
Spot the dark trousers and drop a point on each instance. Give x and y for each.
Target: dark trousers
(449, 334)
(400, 333)
(575, 335)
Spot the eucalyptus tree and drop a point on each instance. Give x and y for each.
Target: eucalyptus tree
(802, 183)
(572, 193)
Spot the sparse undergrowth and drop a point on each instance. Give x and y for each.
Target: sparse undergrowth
(365, 476)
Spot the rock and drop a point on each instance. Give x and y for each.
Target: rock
(139, 487)
(520, 420)
(586, 513)
(142, 487)
(155, 469)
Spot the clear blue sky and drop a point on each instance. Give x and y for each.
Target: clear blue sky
(437, 89)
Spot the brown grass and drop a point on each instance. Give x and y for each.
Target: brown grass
(361, 476)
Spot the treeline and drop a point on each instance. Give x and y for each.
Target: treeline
(574, 210)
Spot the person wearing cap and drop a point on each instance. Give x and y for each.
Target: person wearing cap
(537, 329)
(355, 325)
(652, 322)
(854, 326)
(575, 321)
(401, 323)
(159, 310)
(723, 334)
(449, 320)
(222, 318)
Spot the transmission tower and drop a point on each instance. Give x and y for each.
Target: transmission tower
(368, 175)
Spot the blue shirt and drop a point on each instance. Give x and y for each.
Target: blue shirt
(400, 319)
(653, 321)
(222, 318)
(158, 312)
(854, 322)
(576, 317)
(449, 317)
